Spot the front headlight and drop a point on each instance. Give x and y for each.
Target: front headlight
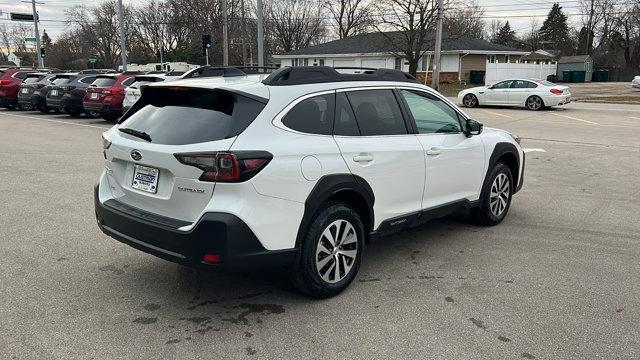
(515, 137)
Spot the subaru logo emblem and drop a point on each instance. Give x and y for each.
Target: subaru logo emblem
(135, 155)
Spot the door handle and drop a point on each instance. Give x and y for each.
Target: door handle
(363, 158)
(434, 151)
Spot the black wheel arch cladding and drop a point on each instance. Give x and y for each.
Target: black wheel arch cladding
(338, 187)
(508, 154)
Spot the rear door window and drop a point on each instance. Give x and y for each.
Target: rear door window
(104, 81)
(128, 81)
(377, 112)
(312, 116)
(179, 116)
(345, 120)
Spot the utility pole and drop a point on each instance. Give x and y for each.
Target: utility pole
(35, 25)
(435, 76)
(123, 52)
(225, 37)
(260, 34)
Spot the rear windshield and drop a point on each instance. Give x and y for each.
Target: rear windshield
(104, 82)
(32, 79)
(179, 116)
(60, 81)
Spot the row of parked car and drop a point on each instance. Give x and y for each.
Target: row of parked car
(95, 92)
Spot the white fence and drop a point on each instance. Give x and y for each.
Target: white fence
(503, 71)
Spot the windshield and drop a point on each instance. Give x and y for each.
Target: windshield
(104, 82)
(60, 81)
(178, 116)
(31, 80)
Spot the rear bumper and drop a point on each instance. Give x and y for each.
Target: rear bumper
(103, 109)
(54, 102)
(8, 100)
(216, 232)
(557, 100)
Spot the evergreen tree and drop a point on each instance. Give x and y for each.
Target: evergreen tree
(555, 31)
(506, 36)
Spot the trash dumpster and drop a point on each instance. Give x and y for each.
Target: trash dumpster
(476, 77)
(601, 75)
(567, 76)
(579, 76)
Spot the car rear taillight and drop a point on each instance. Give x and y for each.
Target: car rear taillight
(235, 166)
(556, 91)
(111, 91)
(5, 82)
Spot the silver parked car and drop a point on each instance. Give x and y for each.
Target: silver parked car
(636, 82)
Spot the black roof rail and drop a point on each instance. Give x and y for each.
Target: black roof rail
(216, 71)
(320, 74)
(249, 69)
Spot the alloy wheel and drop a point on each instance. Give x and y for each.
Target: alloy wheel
(500, 192)
(534, 103)
(336, 251)
(469, 100)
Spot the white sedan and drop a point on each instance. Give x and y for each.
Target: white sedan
(532, 94)
(636, 82)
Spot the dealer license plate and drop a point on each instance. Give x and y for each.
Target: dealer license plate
(54, 92)
(145, 178)
(93, 96)
(25, 91)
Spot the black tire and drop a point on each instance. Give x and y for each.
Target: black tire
(307, 278)
(44, 109)
(534, 103)
(26, 107)
(57, 110)
(470, 101)
(11, 106)
(485, 213)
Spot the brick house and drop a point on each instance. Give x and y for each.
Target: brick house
(377, 50)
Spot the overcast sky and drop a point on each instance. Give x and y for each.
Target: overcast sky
(518, 12)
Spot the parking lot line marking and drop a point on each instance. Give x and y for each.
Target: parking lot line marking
(58, 121)
(576, 119)
(633, 117)
(528, 150)
(496, 114)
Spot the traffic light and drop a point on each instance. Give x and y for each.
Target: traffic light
(206, 41)
(43, 53)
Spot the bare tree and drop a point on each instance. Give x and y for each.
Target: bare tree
(465, 21)
(494, 28)
(296, 24)
(351, 17)
(413, 22)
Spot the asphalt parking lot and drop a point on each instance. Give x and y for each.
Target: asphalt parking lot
(558, 279)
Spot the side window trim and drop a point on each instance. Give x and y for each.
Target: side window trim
(462, 119)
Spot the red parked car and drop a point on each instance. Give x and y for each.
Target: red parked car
(10, 80)
(106, 94)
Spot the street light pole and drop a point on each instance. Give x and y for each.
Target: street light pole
(260, 34)
(35, 25)
(123, 52)
(435, 76)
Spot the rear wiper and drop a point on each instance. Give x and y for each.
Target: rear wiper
(137, 133)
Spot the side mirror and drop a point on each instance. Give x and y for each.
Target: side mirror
(473, 128)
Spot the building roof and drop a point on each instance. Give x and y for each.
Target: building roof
(538, 55)
(375, 43)
(573, 59)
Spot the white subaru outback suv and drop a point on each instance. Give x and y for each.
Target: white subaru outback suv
(299, 170)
